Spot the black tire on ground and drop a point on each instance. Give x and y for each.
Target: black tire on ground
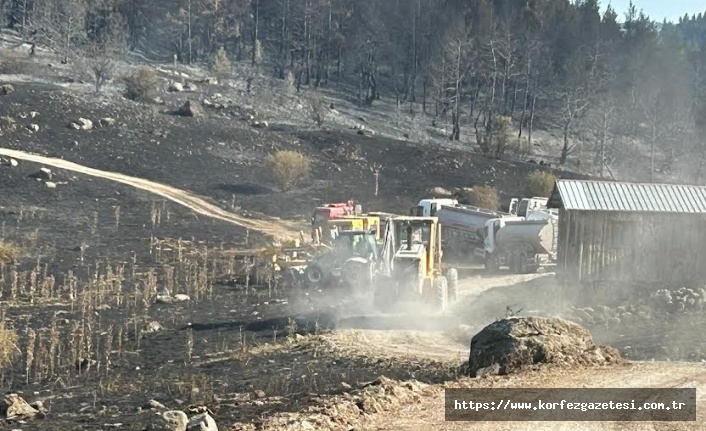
(314, 275)
(452, 279)
(441, 293)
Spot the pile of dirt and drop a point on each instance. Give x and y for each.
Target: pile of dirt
(351, 410)
(509, 345)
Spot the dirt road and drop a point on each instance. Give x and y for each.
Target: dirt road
(429, 412)
(274, 227)
(452, 346)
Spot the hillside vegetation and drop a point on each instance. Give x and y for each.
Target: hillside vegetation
(614, 94)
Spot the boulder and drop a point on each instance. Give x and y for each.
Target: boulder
(190, 86)
(440, 192)
(202, 422)
(175, 419)
(43, 174)
(81, 124)
(8, 162)
(7, 89)
(106, 121)
(33, 127)
(15, 407)
(189, 109)
(509, 345)
(175, 87)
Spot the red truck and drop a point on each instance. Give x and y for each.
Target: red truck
(327, 212)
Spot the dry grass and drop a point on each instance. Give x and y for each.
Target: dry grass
(288, 168)
(485, 197)
(51, 347)
(9, 252)
(539, 183)
(8, 344)
(141, 84)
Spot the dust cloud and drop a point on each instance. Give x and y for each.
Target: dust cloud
(644, 321)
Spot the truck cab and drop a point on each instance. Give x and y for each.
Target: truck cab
(323, 214)
(523, 207)
(429, 207)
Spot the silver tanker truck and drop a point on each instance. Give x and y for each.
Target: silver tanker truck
(498, 239)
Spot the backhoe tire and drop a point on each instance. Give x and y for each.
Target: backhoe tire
(452, 279)
(314, 275)
(441, 293)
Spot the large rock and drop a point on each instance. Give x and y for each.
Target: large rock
(7, 89)
(440, 192)
(43, 174)
(16, 408)
(509, 345)
(202, 422)
(175, 419)
(189, 109)
(175, 87)
(81, 124)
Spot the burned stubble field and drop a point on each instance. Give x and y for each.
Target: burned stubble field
(98, 338)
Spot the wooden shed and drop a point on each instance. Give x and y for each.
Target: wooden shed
(629, 234)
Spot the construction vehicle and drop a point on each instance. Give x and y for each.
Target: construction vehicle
(498, 239)
(323, 214)
(346, 223)
(351, 259)
(410, 264)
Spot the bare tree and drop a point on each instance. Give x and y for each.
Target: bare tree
(105, 49)
(453, 67)
(61, 24)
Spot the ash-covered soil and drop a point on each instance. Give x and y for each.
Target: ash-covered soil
(221, 157)
(98, 258)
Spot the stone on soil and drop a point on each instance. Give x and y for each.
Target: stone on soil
(202, 422)
(15, 407)
(508, 345)
(189, 109)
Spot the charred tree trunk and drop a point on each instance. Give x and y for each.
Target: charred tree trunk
(531, 120)
(255, 35)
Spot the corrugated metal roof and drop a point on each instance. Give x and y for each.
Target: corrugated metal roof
(586, 195)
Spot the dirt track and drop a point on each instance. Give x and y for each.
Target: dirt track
(275, 228)
(429, 413)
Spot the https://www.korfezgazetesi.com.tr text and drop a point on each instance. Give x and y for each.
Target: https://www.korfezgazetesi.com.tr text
(586, 404)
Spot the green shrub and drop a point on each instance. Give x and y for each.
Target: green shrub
(539, 183)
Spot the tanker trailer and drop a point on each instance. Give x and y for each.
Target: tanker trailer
(522, 245)
(463, 229)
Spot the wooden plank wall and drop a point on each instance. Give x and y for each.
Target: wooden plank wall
(600, 247)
